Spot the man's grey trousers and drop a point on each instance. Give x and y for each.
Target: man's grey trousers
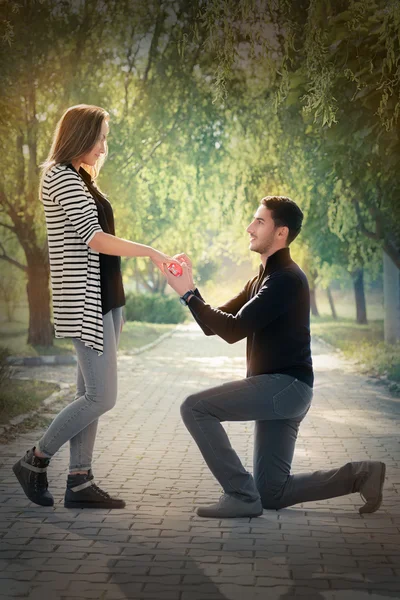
(277, 403)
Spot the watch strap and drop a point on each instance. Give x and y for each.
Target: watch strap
(186, 296)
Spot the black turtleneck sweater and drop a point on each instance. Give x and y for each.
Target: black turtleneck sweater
(273, 312)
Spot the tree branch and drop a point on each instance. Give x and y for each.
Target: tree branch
(144, 281)
(12, 261)
(10, 227)
(154, 41)
(369, 234)
(139, 166)
(393, 251)
(377, 216)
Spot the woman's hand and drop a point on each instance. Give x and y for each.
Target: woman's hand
(160, 259)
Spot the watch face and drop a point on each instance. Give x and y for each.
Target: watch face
(182, 301)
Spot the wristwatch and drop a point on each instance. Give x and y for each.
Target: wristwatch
(183, 299)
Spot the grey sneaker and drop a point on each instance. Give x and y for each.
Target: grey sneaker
(229, 507)
(371, 488)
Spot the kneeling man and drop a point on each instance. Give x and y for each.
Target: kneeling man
(273, 312)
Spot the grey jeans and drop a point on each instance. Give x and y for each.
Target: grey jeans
(277, 403)
(96, 393)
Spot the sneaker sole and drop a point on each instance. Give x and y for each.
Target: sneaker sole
(368, 509)
(17, 469)
(230, 516)
(91, 505)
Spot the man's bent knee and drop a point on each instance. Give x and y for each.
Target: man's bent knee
(190, 405)
(187, 405)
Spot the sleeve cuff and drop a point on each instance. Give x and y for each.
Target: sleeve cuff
(92, 234)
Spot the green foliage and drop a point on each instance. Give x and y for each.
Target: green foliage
(334, 68)
(214, 105)
(154, 308)
(11, 288)
(362, 344)
(136, 334)
(376, 359)
(5, 369)
(23, 396)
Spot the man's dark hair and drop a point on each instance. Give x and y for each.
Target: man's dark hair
(285, 213)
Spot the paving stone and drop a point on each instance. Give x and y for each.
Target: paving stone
(157, 547)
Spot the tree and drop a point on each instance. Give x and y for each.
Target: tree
(161, 113)
(38, 79)
(338, 63)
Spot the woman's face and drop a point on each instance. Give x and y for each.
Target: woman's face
(99, 148)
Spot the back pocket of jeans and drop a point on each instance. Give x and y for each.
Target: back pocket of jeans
(293, 400)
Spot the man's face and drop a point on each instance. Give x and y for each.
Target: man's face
(262, 231)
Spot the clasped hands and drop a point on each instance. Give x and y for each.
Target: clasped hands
(180, 283)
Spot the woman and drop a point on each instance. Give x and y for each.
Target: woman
(88, 296)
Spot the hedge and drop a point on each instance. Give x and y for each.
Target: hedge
(154, 308)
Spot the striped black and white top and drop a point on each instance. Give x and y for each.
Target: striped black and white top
(72, 221)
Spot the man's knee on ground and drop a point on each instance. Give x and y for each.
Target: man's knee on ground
(270, 503)
(270, 495)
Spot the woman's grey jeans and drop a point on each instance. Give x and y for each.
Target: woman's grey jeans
(277, 403)
(96, 393)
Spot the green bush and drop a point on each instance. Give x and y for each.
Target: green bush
(154, 308)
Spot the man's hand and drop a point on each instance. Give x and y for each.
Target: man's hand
(181, 284)
(183, 258)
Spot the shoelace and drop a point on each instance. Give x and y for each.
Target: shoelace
(40, 481)
(101, 492)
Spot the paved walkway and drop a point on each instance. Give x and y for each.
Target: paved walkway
(157, 548)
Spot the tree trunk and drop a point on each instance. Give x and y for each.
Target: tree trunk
(312, 275)
(331, 302)
(359, 292)
(391, 294)
(163, 285)
(313, 303)
(136, 276)
(41, 331)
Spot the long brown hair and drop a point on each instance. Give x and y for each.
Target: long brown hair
(76, 133)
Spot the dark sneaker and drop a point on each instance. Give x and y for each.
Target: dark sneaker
(82, 492)
(229, 507)
(31, 472)
(371, 488)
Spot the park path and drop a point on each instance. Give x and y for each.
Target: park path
(157, 548)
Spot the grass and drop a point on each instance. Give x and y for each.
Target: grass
(345, 332)
(136, 334)
(17, 397)
(14, 335)
(363, 344)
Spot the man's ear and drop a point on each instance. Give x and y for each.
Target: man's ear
(283, 231)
